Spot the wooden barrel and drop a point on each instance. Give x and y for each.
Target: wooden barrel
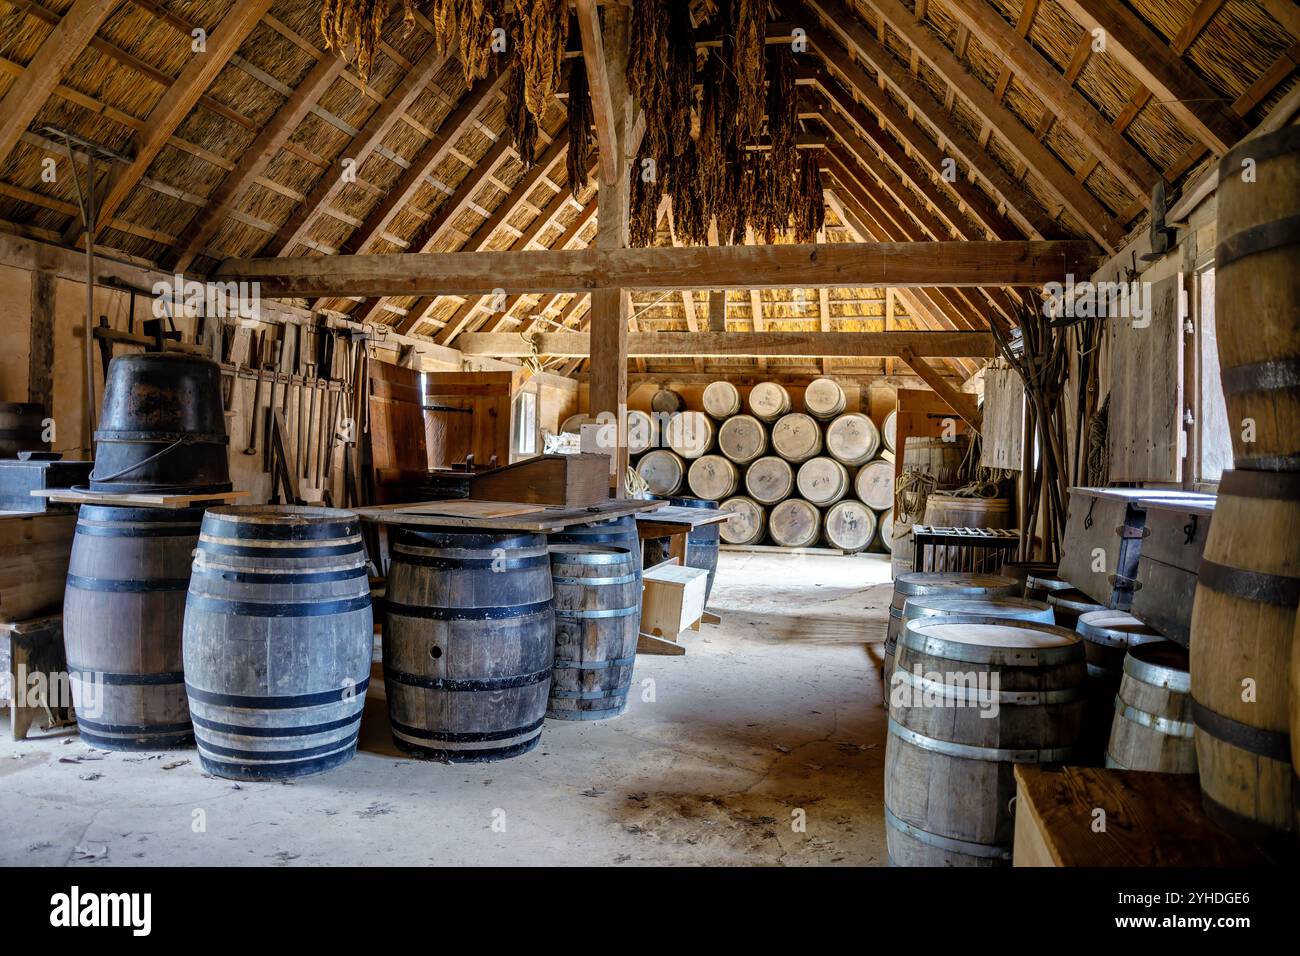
(797, 437)
(1023, 570)
(874, 484)
(667, 402)
(747, 523)
(822, 481)
(940, 457)
(469, 642)
(958, 511)
(663, 471)
(279, 636)
(885, 520)
(21, 427)
(769, 401)
(824, 398)
(573, 424)
(850, 526)
(597, 612)
(742, 438)
(1009, 692)
(713, 477)
(1152, 728)
(933, 584)
(642, 433)
(794, 523)
(1039, 586)
(889, 431)
(614, 532)
(702, 543)
(1257, 286)
(162, 427)
(123, 613)
(1107, 637)
(721, 400)
(852, 439)
(690, 434)
(1243, 622)
(769, 480)
(1070, 605)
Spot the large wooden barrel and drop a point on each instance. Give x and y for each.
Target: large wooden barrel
(469, 642)
(885, 532)
(769, 401)
(960, 511)
(690, 434)
(1257, 286)
(1039, 586)
(769, 480)
(702, 543)
(797, 437)
(742, 438)
(1152, 727)
(852, 439)
(663, 471)
(1010, 692)
(162, 427)
(940, 457)
(874, 484)
(794, 523)
(597, 612)
(822, 481)
(21, 427)
(667, 402)
(642, 432)
(1070, 605)
(926, 584)
(123, 613)
(279, 637)
(721, 400)
(1023, 570)
(850, 526)
(748, 521)
(1107, 638)
(616, 532)
(713, 477)
(1243, 623)
(889, 431)
(824, 399)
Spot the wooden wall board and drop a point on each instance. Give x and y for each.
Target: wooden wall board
(1004, 418)
(474, 417)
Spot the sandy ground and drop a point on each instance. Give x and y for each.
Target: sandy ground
(762, 745)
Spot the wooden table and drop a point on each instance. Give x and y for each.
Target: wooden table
(535, 518)
(676, 524)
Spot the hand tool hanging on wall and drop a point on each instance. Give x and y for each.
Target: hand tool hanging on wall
(255, 362)
(277, 355)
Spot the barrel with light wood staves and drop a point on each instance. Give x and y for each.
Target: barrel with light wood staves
(822, 480)
(279, 636)
(824, 398)
(748, 521)
(889, 430)
(885, 529)
(721, 400)
(742, 438)
(769, 480)
(1243, 623)
(1257, 286)
(469, 643)
(1070, 605)
(642, 432)
(123, 612)
(983, 695)
(617, 532)
(597, 613)
(1108, 636)
(852, 439)
(794, 523)
(690, 434)
(874, 484)
(663, 471)
(713, 477)
(966, 511)
(1152, 726)
(850, 526)
(940, 457)
(768, 401)
(797, 437)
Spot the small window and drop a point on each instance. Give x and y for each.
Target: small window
(526, 424)
(1214, 441)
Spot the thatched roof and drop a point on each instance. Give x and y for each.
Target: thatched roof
(113, 90)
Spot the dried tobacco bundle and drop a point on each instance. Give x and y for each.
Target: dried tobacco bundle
(747, 29)
(782, 120)
(520, 122)
(355, 24)
(475, 23)
(645, 195)
(539, 52)
(811, 216)
(580, 121)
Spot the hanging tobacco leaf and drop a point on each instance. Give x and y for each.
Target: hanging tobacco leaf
(811, 216)
(748, 33)
(543, 35)
(782, 120)
(580, 132)
(519, 120)
(475, 21)
(354, 25)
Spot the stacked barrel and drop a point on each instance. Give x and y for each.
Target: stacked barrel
(1244, 670)
(796, 478)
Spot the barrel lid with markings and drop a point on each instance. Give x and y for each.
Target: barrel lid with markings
(874, 483)
(769, 400)
(794, 523)
(712, 477)
(662, 470)
(823, 398)
(850, 525)
(742, 438)
(797, 437)
(721, 399)
(852, 438)
(745, 526)
(770, 480)
(822, 480)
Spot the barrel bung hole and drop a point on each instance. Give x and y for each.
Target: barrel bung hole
(435, 652)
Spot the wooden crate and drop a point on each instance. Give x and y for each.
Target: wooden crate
(1151, 819)
(673, 599)
(567, 481)
(1175, 534)
(19, 478)
(34, 552)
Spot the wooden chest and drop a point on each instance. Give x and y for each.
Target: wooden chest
(19, 478)
(34, 552)
(1173, 539)
(674, 599)
(1103, 538)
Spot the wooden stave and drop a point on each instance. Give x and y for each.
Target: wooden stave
(1256, 287)
(756, 472)
(520, 617)
(1243, 620)
(796, 424)
(833, 518)
(689, 434)
(973, 767)
(109, 586)
(1152, 728)
(291, 583)
(721, 400)
(869, 476)
(597, 604)
(1108, 635)
(807, 481)
(788, 507)
(760, 523)
(649, 459)
(703, 473)
(728, 445)
(812, 402)
(768, 401)
(959, 511)
(851, 422)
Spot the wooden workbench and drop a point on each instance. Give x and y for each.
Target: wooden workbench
(539, 520)
(676, 524)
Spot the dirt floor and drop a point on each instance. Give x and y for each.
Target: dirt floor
(762, 745)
